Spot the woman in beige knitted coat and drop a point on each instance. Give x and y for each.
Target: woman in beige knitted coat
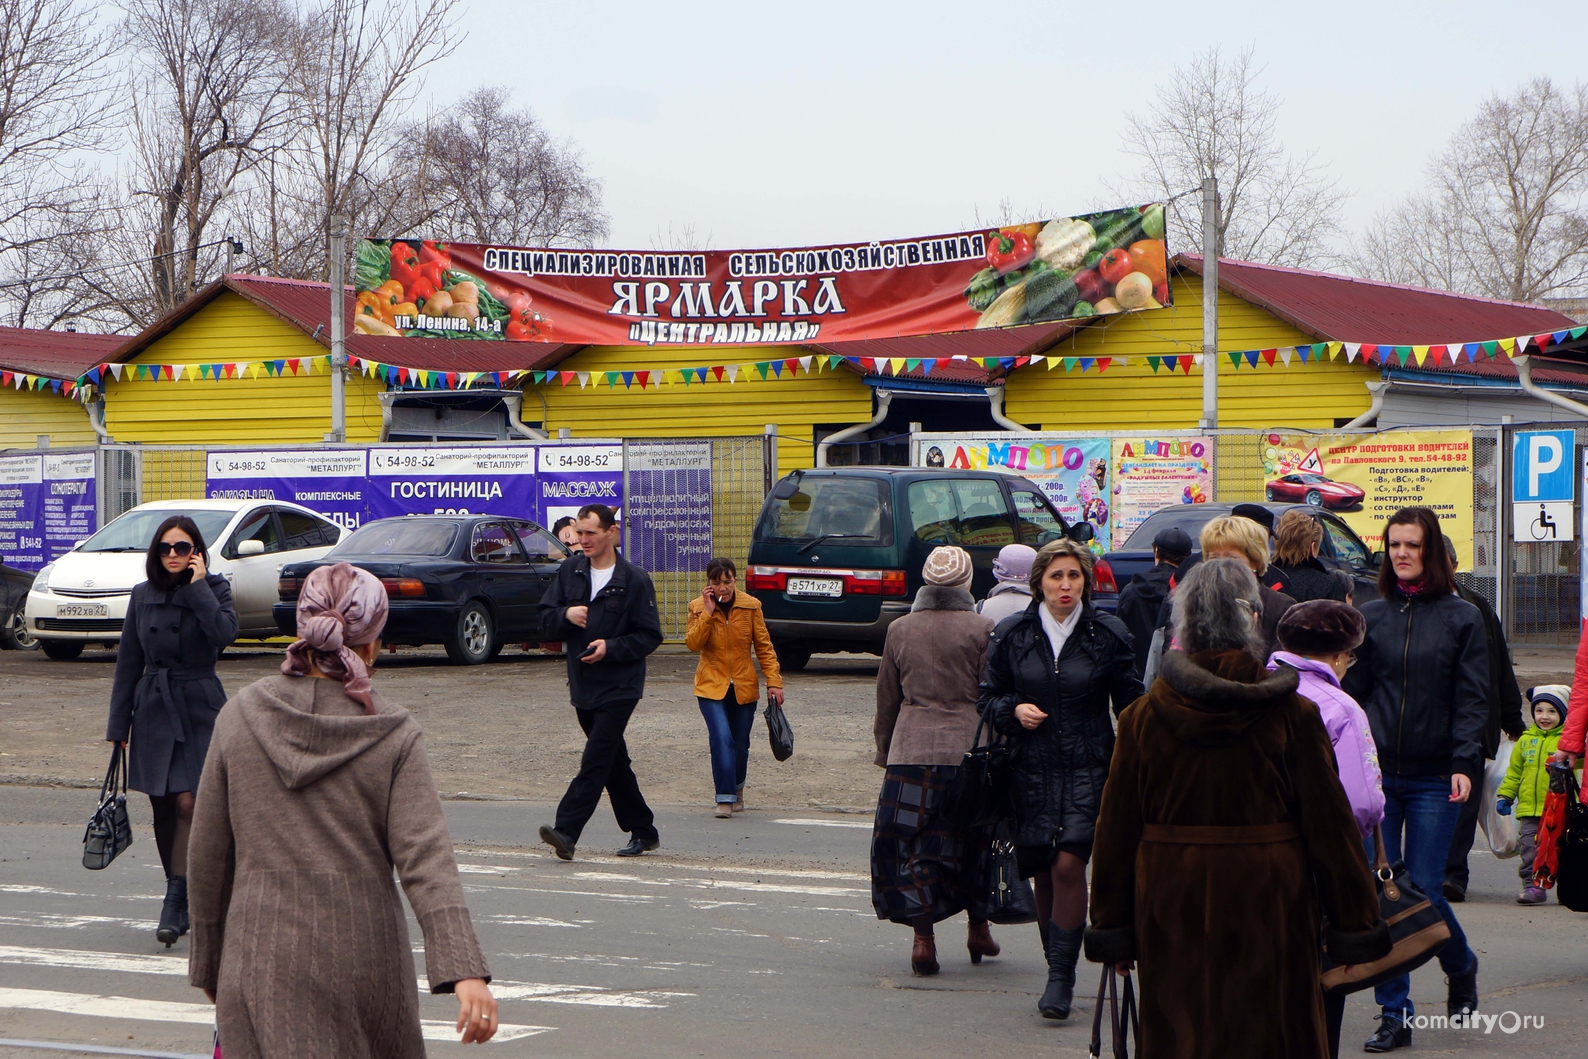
(315, 788)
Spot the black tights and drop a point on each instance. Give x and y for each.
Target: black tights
(173, 819)
(1061, 892)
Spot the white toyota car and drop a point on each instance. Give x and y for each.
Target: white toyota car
(81, 598)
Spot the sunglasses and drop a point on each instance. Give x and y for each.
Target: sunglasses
(181, 548)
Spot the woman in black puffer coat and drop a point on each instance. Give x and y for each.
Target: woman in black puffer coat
(1052, 672)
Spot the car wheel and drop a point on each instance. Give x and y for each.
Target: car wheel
(1314, 498)
(62, 650)
(16, 636)
(1269, 492)
(472, 639)
(792, 657)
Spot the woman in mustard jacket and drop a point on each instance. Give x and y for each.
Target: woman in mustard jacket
(728, 631)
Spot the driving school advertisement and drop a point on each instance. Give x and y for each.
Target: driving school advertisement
(1071, 472)
(1152, 473)
(1062, 269)
(1367, 478)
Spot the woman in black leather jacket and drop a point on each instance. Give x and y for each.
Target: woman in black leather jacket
(1051, 673)
(1422, 677)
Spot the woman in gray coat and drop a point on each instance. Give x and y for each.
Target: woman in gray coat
(315, 791)
(165, 694)
(923, 868)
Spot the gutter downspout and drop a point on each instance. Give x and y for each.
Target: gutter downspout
(514, 404)
(1524, 374)
(1377, 390)
(96, 419)
(995, 401)
(884, 398)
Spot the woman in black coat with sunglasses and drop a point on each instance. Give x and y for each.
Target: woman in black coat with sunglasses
(166, 694)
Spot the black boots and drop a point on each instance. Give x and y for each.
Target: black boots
(1462, 999)
(173, 912)
(1064, 949)
(1391, 1034)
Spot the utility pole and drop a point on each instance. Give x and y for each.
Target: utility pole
(1210, 303)
(338, 432)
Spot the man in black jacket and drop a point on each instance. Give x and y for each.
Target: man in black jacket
(1505, 713)
(1141, 600)
(604, 607)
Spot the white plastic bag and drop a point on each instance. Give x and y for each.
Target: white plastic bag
(1501, 831)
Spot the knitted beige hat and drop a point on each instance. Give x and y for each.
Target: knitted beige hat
(948, 566)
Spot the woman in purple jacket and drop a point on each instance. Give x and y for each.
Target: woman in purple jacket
(1318, 640)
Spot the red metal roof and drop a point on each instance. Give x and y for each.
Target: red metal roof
(307, 306)
(1346, 309)
(1562, 372)
(54, 354)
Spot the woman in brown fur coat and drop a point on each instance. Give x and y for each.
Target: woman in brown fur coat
(314, 790)
(1223, 829)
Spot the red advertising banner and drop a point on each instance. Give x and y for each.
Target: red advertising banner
(1068, 268)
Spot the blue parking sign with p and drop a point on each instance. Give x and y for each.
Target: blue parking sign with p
(1543, 466)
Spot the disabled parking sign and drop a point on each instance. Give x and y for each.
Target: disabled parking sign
(1543, 486)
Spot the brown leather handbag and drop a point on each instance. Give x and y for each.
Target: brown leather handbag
(1416, 928)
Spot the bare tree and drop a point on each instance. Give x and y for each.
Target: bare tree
(210, 98)
(360, 67)
(495, 175)
(1212, 119)
(54, 108)
(1506, 213)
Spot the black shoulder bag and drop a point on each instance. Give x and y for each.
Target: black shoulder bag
(1122, 1017)
(978, 795)
(109, 831)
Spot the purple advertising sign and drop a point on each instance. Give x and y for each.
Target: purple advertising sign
(668, 524)
(329, 481)
(571, 476)
(46, 506)
(498, 480)
(68, 510)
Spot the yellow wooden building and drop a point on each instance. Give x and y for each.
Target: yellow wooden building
(36, 367)
(269, 340)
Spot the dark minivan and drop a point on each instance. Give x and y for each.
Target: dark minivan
(838, 552)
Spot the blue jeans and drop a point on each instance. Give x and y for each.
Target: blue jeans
(728, 725)
(1422, 806)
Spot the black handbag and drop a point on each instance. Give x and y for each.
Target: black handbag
(1571, 876)
(1126, 1024)
(978, 795)
(1004, 897)
(779, 731)
(109, 831)
(1416, 928)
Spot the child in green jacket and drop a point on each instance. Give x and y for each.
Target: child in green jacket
(1527, 781)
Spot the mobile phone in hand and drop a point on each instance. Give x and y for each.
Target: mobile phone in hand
(588, 651)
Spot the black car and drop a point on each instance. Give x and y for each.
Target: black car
(468, 582)
(1341, 548)
(14, 585)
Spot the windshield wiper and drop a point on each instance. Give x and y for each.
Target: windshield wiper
(121, 548)
(814, 541)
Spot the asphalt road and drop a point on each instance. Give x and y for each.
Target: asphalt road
(749, 937)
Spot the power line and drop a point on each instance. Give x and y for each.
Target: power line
(235, 245)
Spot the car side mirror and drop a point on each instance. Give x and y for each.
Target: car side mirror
(1377, 559)
(785, 488)
(1082, 532)
(250, 547)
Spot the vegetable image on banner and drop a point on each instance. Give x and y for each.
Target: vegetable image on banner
(1153, 473)
(1068, 268)
(1367, 478)
(1073, 473)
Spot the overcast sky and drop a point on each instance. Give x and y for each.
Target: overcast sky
(789, 124)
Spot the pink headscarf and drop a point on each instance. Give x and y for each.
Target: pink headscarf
(339, 607)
